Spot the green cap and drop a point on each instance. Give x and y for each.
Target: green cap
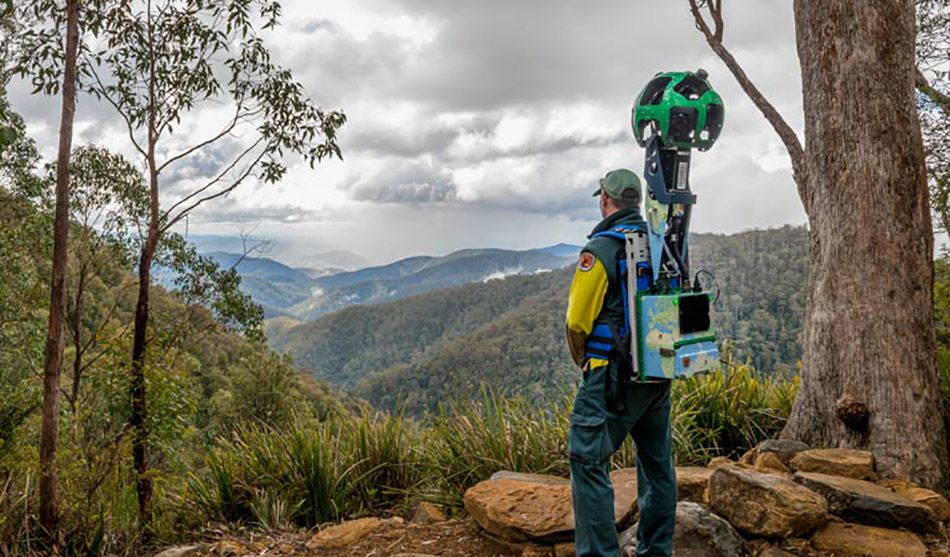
(622, 185)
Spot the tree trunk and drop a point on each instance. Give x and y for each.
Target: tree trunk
(55, 340)
(138, 416)
(869, 376)
(143, 483)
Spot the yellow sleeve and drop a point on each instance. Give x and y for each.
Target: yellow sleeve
(584, 303)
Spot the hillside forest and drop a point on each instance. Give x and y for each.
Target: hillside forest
(206, 393)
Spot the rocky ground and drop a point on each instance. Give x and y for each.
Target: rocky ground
(781, 499)
(362, 538)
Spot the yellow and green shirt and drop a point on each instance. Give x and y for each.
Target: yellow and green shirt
(595, 296)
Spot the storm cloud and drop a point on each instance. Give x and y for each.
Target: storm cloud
(497, 111)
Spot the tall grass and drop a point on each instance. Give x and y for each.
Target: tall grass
(728, 413)
(310, 472)
(314, 472)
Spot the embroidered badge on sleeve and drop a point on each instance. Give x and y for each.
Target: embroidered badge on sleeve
(586, 262)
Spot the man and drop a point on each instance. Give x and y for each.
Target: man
(604, 412)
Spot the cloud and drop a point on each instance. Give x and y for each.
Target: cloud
(231, 211)
(493, 113)
(404, 182)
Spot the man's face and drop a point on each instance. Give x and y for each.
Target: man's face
(604, 205)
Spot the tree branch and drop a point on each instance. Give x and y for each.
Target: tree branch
(785, 132)
(938, 97)
(210, 184)
(237, 181)
(227, 129)
(128, 123)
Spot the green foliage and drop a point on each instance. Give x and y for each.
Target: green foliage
(200, 280)
(203, 380)
(310, 473)
(307, 472)
(942, 322)
(728, 413)
(470, 440)
(155, 64)
(508, 334)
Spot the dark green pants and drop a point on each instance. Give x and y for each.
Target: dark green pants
(597, 433)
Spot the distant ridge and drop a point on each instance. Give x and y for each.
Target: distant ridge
(413, 353)
(307, 293)
(562, 250)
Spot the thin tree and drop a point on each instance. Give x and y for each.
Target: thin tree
(154, 62)
(55, 340)
(869, 376)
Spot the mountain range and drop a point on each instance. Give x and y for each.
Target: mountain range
(305, 293)
(414, 353)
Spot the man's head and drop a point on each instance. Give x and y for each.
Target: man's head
(619, 189)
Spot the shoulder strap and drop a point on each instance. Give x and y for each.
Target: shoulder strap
(618, 231)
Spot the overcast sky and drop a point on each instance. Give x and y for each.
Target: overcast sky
(477, 124)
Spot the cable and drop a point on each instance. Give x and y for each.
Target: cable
(714, 279)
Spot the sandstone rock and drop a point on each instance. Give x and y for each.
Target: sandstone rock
(748, 457)
(531, 550)
(517, 510)
(895, 484)
(773, 551)
(232, 548)
(869, 503)
(691, 482)
(564, 550)
(413, 555)
(937, 502)
(699, 533)
(855, 540)
(785, 449)
(427, 513)
(180, 551)
(770, 463)
(344, 534)
(545, 479)
(719, 461)
(765, 505)
(836, 462)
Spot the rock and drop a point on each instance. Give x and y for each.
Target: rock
(773, 551)
(232, 548)
(719, 461)
(344, 534)
(937, 503)
(895, 484)
(564, 549)
(785, 449)
(748, 457)
(545, 479)
(691, 482)
(770, 463)
(869, 503)
(699, 533)
(413, 555)
(427, 513)
(765, 505)
(180, 551)
(835, 462)
(518, 511)
(531, 550)
(855, 540)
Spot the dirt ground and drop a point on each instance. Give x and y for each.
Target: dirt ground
(456, 537)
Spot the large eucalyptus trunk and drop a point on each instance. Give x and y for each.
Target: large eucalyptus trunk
(869, 376)
(55, 339)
